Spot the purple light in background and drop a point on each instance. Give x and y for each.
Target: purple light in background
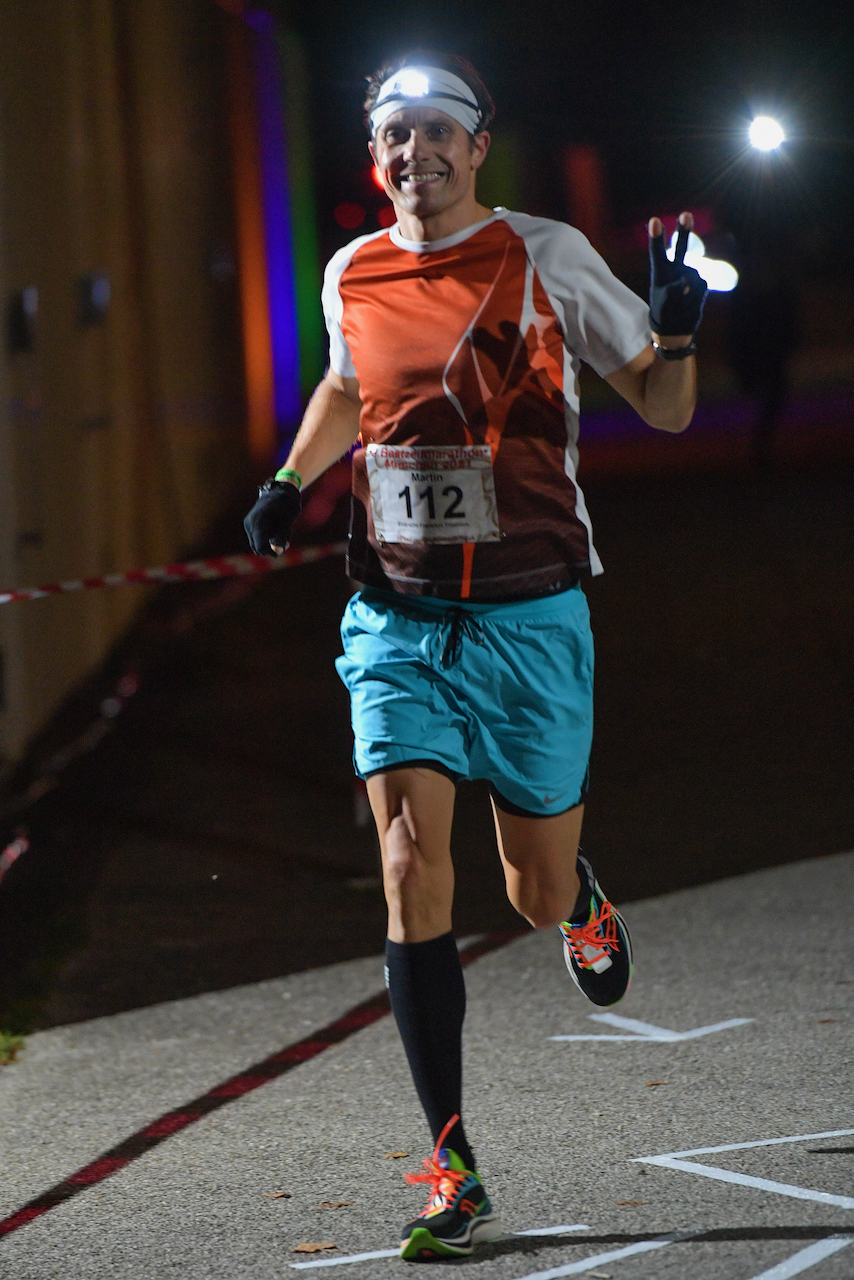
(277, 223)
(733, 416)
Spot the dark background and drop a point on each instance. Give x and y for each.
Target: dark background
(215, 834)
(665, 92)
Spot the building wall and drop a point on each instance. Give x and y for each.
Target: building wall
(121, 437)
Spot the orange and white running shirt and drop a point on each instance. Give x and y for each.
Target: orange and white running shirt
(467, 352)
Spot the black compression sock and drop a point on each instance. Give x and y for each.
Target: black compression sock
(581, 910)
(428, 998)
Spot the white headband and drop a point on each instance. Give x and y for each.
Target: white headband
(427, 87)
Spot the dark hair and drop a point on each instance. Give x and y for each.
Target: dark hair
(430, 58)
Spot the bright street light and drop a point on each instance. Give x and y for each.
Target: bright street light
(766, 134)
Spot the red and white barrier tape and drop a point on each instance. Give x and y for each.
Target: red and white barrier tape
(190, 571)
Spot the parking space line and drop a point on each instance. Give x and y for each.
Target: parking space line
(598, 1260)
(676, 1160)
(762, 1142)
(649, 1032)
(746, 1180)
(801, 1261)
(552, 1231)
(805, 1258)
(602, 1039)
(341, 1262)
(661, 1033)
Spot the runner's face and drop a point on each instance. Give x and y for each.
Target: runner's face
(427, 160)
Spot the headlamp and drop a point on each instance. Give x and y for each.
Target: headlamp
(427, 87)
(412, 84)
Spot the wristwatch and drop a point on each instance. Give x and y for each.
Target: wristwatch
(675, 353)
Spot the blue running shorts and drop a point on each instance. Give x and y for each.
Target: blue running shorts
(496, 691)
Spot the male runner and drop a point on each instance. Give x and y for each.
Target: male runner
(455, 342)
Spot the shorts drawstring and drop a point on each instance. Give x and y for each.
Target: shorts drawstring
(461, 623)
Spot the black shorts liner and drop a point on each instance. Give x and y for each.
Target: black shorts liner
(506, 806)
(435, 765)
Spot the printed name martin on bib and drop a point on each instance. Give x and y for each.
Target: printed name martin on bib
(433, 494)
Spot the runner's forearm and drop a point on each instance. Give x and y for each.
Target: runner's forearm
(663, 392)
(329, 428)
(670, 394)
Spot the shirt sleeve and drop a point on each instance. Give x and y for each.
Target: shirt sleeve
(604, 322)
(340, 359)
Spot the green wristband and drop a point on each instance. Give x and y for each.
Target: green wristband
(289, 476)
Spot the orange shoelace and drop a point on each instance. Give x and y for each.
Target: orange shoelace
(444, 1183)
(600, 932)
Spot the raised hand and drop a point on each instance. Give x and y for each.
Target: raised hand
(676, 292)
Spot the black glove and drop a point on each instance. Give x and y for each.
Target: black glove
(676, 292)
(271, 519)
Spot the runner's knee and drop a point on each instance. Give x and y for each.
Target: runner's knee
(401, 855)
(543, 905)
(541, 910)
(544, 914)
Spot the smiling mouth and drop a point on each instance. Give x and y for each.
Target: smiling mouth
(420, 179)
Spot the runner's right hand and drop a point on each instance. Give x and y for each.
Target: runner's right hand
(676, 292)
(268, 525)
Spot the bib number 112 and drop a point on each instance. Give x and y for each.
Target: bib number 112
(432, 493)
(451, 512)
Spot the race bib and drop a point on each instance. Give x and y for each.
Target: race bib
(427, 494)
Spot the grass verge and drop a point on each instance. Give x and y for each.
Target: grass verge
(10, 1046)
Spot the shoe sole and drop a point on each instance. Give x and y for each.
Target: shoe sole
(422, 1245)
(567, 958)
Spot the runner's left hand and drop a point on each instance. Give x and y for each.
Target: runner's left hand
(676, 292)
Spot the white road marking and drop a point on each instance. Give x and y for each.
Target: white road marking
(552, 1231)
(661, 1033)
(676, 1160)
(393, 1253)
(603, 1039)
(648, 1031)
(762, 1142)
(597, 1260)
(352, 1257)
(805, 1258)
(745, 1180)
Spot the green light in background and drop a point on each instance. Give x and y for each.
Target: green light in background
(306, 251)
(499, 181)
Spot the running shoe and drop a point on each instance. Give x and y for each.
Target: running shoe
(458, 1214)
(598, 953)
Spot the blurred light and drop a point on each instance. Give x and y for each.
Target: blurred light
(695, 245)
(387, 217)
(413, 84)
(349, 216)
(222, 264)
(766, 134)
(12, 853)
(720, 276)
(93, 298)
(378, 178)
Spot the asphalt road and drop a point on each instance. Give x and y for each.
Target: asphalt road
(561, 1127)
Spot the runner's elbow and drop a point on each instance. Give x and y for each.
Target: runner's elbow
(675, 424)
